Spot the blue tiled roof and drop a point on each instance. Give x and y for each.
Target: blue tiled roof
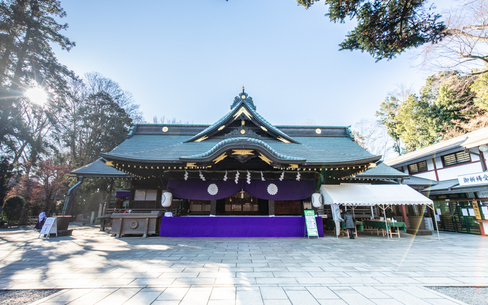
(173, 143)
(168, 148)
(99, 169)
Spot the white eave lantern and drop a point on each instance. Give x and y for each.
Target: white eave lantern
(166, 199)
(317, 200)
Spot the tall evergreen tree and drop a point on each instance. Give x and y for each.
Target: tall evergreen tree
(443, 109)
(28, 28)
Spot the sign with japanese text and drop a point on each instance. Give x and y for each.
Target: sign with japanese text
(476, 210)
(311, 223)
(473, 179)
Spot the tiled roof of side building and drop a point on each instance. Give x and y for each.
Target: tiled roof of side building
(382, 171)
(469, 140)
(99, 169)
(413, 180)
(442, 185)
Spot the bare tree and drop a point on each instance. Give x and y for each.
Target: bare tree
(465, 46)
(374, 138)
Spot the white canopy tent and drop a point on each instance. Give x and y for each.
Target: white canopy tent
(374, 194)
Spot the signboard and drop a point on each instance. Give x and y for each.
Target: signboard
(476, 210)
(311, 223)
(50, 227)
(473, 179)
(484, 209)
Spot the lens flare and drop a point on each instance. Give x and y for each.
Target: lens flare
(36, 95)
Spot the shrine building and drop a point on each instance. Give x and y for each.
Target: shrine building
(241, 176)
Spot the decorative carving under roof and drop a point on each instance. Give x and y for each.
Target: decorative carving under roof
(247, 132)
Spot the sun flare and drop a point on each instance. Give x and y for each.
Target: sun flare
(36, 95)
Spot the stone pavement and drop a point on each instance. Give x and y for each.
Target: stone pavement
(91, 267)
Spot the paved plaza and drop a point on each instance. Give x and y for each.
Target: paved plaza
(91, 267)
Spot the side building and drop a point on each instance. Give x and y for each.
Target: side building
(454, 175)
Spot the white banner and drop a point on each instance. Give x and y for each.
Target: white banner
(473, 179)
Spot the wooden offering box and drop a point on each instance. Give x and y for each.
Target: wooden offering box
(135, 224)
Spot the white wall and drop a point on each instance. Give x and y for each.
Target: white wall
(454, 171)
(451, 172)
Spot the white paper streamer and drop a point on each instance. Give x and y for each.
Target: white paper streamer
(186, 175)
(282, 176)
(248, 178)
(225, 176)
(237, 177)
(262, 176)
(201, 176)
(298, 176)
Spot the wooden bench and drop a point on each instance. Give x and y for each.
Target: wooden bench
(396, 232)
(32, 220)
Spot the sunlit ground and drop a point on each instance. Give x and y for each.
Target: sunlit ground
(230, 267)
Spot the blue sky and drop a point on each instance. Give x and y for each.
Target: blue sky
(189, 59)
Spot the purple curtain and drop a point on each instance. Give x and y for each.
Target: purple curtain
(203, 190)
(228, 226)
(215, 189)
(122, 194)
(280, 190)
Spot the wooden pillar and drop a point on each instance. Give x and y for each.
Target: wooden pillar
(405, 218)
(482, 229)
(271, 207)
(213, 207)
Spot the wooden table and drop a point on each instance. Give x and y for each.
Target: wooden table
(385, 226)
(357, 223)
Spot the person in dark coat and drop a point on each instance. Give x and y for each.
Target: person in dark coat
(389, 213)
(41, 220)
(350, 225)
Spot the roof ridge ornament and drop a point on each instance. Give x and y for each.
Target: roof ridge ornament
(243, 97)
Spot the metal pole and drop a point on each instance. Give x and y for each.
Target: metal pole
(386, 223)
(435, 220)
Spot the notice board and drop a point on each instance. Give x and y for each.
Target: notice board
(50, 227)
(311, 223)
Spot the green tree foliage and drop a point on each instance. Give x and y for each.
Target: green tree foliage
(12, 208)
(443, 109)
(480, 88)
(384, 28)
(5, 175)
(28, 28)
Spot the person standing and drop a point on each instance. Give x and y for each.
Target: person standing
(40, 222)
(350, 225)
(336, 216)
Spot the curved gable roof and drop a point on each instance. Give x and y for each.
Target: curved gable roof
(243, 107)
(239, 142)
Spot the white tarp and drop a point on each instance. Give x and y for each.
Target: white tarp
(371, 194)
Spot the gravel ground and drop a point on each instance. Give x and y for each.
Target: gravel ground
(18, 297)
(468, 295)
